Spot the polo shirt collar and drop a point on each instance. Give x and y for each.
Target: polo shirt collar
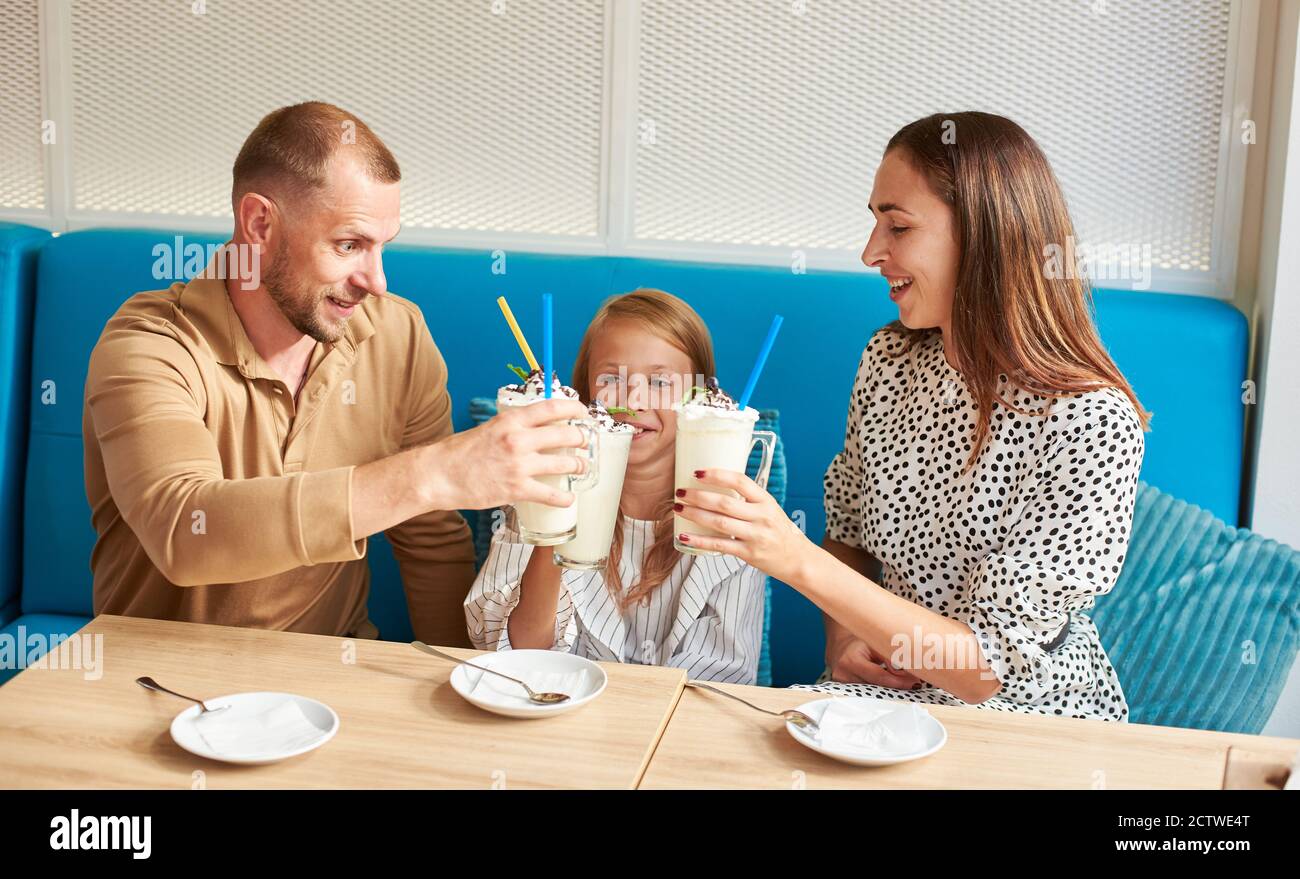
(207, 304)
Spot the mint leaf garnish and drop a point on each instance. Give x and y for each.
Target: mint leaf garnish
(694, 391)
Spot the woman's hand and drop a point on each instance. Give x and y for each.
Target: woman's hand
(851, 661)
(761, 533)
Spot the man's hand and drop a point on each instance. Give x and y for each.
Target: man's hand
(499, 462)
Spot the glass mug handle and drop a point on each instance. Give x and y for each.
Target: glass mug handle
(592, 456)
(767, 439)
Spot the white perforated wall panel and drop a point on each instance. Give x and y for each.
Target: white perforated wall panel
(22, 173)
(495, 118)
(726, 129)
(758, 125)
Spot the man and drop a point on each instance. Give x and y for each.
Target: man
(244, 434)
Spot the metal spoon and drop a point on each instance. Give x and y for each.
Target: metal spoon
(151, 684)
(798, 718)
(539, 698)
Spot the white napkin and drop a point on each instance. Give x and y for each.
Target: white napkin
(498, 689)
(274, 731)
(886, 729)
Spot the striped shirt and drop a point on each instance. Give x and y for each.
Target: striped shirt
(706, 618)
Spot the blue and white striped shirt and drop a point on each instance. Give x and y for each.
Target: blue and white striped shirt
(706, 618)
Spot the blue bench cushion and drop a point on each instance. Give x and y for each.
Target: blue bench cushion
(1194, 450)
(19, 246)
(30, 636)
(82, 279)
(1203, 624)
(57, 536)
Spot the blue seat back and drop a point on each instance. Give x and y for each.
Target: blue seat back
(83, 278)
(19, 246)
(1185, 355)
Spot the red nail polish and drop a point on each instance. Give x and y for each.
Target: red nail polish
(678, 508)
(683, 538)
(699, 474)
(681, 492)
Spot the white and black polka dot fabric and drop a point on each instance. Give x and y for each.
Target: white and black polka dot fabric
(1017, 547)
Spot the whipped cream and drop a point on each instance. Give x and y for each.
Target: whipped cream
(533, 390)
(600, 415)
(713, 402)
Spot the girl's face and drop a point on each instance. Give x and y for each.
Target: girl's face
(914, 244)
(636, 369)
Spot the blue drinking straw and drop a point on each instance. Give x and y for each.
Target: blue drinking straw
(762, 360)
(548, 343)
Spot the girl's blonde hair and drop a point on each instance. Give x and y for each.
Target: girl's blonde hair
(672, 320)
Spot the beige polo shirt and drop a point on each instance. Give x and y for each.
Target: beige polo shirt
(218, 499)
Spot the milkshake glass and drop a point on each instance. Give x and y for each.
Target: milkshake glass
(713, 433)
(542, 524)
(598, 506)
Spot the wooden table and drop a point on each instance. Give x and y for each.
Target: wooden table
(714, 742)
(1259, 765)
(401, 724)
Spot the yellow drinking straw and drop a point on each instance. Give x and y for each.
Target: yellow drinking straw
(519, 334)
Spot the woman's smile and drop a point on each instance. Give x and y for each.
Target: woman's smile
(898, 286)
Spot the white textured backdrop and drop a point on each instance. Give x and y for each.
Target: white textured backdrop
(707, 129)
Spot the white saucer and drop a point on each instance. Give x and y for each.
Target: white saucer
(935, 737)
(496, 694)
(239, 733)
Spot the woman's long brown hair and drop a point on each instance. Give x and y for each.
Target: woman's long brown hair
(1011, 316)
(672, 320)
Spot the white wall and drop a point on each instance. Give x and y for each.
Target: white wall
(1275, 510)
(739, 132)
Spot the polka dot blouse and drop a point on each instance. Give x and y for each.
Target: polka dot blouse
(1017, 547)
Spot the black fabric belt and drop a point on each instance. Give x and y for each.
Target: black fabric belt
(1056, 642)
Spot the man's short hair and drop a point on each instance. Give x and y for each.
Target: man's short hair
(291, 148)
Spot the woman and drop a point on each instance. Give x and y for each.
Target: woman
(985, 491)
(651, 605)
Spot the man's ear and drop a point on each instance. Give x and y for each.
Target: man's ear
(255, 218)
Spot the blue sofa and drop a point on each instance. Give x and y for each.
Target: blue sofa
(58, 293)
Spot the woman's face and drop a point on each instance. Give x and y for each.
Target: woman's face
(633, 368)
(914, 244)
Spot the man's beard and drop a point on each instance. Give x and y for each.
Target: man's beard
(299, 304)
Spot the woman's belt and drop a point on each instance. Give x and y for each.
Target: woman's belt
(1056, 642)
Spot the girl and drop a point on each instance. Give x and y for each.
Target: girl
(651, 605)
(985, 491)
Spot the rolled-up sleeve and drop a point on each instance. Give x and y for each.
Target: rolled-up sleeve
(434, 551)
(1065, 548)
(146, 401)
(497, 589)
